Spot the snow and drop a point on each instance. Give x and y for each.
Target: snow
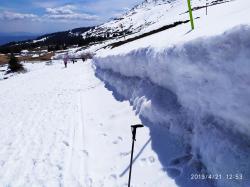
(35, 55)
(220, 18)
(40, 40)
(61, 127)
(194, 84)
(151, 15)
(193, 70)
(24, 51)
(71, 127)
(186, 142)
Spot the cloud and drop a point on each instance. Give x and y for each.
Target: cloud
(67, 9)
(67, 12)
(61, 13)
(7, 15)
(72, 16)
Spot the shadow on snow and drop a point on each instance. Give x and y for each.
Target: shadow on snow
(186, 143)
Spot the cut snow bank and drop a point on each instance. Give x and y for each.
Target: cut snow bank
(208, 75)
(186, 143)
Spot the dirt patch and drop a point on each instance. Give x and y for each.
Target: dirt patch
(45, 57)
(4, 59)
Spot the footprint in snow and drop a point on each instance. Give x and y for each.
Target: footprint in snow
(125, 154)
(151, 159)
(112, 116)
(59, 167)
(89, 181)
(85, 152)
(104, 134)
(113, 177)
(118, 140)
(2, 163)
(34, 161)
(65, 143)
(147, 161)
(115, 142)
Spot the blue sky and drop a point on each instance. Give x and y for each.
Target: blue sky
(44, 16)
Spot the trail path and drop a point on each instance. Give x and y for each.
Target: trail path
(62, 127)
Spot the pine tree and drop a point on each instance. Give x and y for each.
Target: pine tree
(14, 65)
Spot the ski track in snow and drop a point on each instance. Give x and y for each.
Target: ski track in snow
(61, 127)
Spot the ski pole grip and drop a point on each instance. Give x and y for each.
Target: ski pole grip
(137, 126)
(133, 129)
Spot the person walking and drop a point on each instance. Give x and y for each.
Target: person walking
(65, 59)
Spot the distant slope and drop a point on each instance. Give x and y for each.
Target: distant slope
(147, 18)
(64, 38)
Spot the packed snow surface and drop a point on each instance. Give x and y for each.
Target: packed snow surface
(61, 127)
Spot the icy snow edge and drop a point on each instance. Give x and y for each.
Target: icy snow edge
(208, 75)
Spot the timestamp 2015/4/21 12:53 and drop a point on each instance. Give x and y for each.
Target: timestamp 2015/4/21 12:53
(197, 176)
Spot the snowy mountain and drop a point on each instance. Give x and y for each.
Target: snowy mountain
(64, 38)
(189, 88)
(147, 16)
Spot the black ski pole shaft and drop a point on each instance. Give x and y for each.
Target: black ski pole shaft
(131, 160)
(133, 128)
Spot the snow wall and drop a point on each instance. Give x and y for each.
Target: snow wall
(194, 97)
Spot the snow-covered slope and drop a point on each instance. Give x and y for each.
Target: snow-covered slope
(205, 72)
(61, 127)
(194, 69)
(65, 127)
(149, 15)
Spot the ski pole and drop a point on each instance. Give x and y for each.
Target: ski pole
(133, 129)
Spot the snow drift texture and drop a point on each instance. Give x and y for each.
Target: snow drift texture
(208, 75)
(198, 91)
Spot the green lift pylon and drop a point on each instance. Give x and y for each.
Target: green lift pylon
(190, 14)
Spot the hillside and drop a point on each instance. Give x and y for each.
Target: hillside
(189, 88)
(145, 18)
(55, 41)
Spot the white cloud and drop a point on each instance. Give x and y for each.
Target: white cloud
(67, 9)
(73, 16)
(7, 15)
(67, 12)
(61, 13)
(55, 11)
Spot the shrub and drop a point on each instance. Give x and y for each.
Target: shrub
(14, 65)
